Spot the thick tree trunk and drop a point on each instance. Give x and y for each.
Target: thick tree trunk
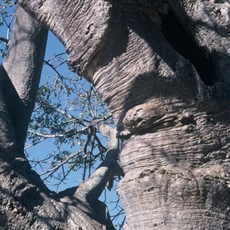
(177, 175)
(176, 161)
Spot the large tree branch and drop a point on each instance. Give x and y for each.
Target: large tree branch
(23, 66)
(122, 52)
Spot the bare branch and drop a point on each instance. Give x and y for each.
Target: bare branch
(71, 117)
(90, 190)
(52, 170)
(2, 39)
(53, 68)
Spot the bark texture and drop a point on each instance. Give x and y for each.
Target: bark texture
(22, 71)
(176, 161)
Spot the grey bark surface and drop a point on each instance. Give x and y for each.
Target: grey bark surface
(23, 67)
(176, 160)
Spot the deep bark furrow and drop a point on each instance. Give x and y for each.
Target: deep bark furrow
(208, 23)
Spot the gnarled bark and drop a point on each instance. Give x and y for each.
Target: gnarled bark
(176, 162)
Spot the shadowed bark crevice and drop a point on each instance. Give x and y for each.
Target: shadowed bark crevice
(208, 24)
(18, 111)
(179, 38)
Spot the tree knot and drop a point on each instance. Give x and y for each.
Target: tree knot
(141, 117)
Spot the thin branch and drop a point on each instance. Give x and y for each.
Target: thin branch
(4, 40)
(53, 68)
(55, 168)
(48, 105)
(46, 136)
(9, 27)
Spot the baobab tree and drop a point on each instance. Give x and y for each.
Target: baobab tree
(163, 69)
